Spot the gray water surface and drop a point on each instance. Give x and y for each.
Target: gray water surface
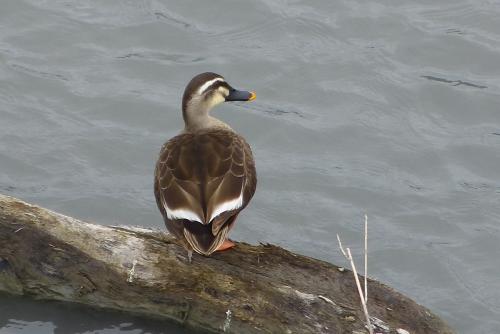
(381, 107)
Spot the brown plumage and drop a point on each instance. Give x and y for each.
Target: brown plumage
(206, 175)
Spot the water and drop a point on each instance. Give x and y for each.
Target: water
(20, 315)
(385, 108)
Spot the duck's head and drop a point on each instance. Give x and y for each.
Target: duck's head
(204, 92)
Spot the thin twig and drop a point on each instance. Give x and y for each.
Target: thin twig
(366, 258)
(348, 256)
(360, 291)
(341, 248)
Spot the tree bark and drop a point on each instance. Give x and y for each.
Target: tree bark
(248, 289)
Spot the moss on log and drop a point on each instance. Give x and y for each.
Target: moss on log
(249, 289)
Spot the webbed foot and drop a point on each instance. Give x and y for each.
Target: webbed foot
(227, 244)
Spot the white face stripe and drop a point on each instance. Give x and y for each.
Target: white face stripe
(207, 84)
(228, 206)
(181, 213)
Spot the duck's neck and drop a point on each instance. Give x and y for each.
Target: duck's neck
(196, 117)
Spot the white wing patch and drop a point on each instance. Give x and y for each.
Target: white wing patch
(181, 213)
(207, 84)
(228, 206)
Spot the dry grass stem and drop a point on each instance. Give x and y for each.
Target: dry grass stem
(363, 296)
(366, 258)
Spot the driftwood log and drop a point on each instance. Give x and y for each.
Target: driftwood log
(249, 289)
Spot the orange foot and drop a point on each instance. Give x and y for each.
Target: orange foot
(226, 245)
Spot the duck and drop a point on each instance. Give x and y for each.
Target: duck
(205, 176)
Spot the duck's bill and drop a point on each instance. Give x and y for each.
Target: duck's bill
(240, 95)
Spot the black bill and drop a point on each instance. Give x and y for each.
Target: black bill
(240, 95)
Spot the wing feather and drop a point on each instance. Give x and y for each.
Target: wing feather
(177, 189)
(207, 175)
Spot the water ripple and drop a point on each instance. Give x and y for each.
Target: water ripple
(453, 82)
(162, 57)
(37, 72)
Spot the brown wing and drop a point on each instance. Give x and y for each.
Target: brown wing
(176, 185)
(206, 177)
